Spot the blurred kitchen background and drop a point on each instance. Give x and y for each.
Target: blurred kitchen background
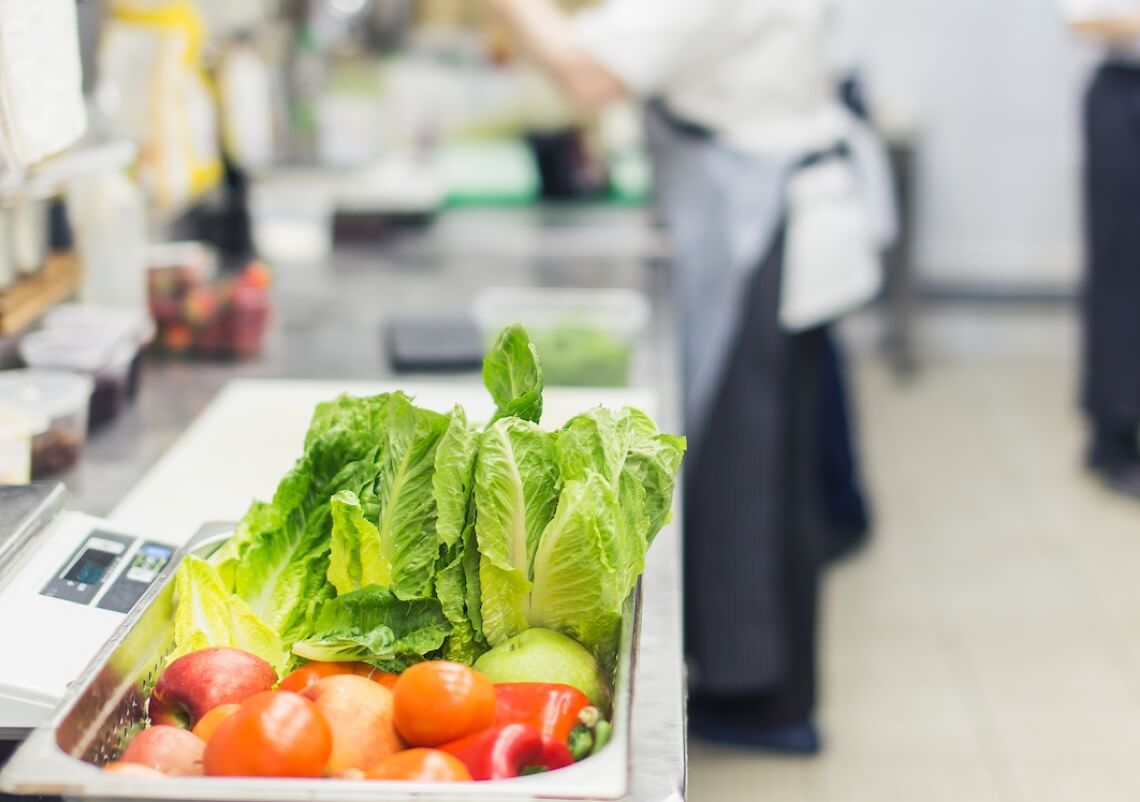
(390, 163)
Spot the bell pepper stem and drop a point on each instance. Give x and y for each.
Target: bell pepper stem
(602, 735)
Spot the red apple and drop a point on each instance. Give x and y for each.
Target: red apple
(196, 683)
(167, 749)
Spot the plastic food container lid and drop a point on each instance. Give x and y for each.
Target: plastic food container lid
(124, 322)
(85, 350)
(50, 393)
(622, 312)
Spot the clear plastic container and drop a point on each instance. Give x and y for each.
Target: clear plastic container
(126, 322)
(585, 337)
(135, 326)
(17, 430)
(61, 398)
(104, 356)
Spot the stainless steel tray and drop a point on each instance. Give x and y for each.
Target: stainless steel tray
(105, 706)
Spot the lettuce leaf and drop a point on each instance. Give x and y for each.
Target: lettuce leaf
(260, 518)
(357, 556)
(471, 560)
(516, 490)
(407, 521)
(619, 474)
(465, 643)
(512, 374)
(582, 571)
(376, 626)
(278, 561)
(454, 479)
(453, 487)
(207, 614)
(654, 460)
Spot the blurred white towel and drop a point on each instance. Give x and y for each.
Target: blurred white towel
(41, 80)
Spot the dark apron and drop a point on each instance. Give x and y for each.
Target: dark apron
(752, 507)
(1112, 281)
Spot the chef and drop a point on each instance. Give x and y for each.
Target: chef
(770, 243)
(1111, 392)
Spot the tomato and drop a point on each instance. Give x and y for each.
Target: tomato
(299, 680)
(438, 701)
(272, 734)
(209, 723)
(420, 765)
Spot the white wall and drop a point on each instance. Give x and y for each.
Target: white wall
(993, 88)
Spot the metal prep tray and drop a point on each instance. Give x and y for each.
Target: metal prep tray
(105, 706)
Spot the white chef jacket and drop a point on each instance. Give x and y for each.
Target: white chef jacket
(758, 72)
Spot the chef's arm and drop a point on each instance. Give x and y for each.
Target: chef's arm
(546, 33)
(1122, 28)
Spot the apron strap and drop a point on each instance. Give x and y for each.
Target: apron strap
(700, 132)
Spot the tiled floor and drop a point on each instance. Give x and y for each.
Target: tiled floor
(987, 645)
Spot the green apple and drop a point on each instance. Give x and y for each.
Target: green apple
(543, 655)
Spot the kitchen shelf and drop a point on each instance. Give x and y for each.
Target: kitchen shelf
(25, 301)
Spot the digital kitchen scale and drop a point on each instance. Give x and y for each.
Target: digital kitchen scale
(67, 580)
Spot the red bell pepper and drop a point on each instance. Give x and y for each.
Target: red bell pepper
(501, 753)
(560, 712)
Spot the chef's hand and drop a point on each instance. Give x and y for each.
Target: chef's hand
(547, 35)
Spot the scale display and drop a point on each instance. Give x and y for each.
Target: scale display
(148, 561)
(91, 567)
(83, 575)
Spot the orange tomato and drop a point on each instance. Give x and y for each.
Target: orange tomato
(272, 734)
(439, 701)
(299, 680)
(420, 765)
(209, 723)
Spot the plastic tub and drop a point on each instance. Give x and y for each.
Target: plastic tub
(17, 429)
(61, 398)
(104, 356)
(132, 330)
(586, 338)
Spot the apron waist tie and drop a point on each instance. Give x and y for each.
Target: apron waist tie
(703, 133)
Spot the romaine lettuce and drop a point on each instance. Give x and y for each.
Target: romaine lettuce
(207, 614)
(453, 488)
(375, 626)
(516, 490)
(407, 522)
(357, 557)
(581, 570)
(512, 374)
(402, 534)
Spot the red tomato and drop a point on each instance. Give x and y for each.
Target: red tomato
(299, 680)
(272, 734)
(420, 765)
(438, 701)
